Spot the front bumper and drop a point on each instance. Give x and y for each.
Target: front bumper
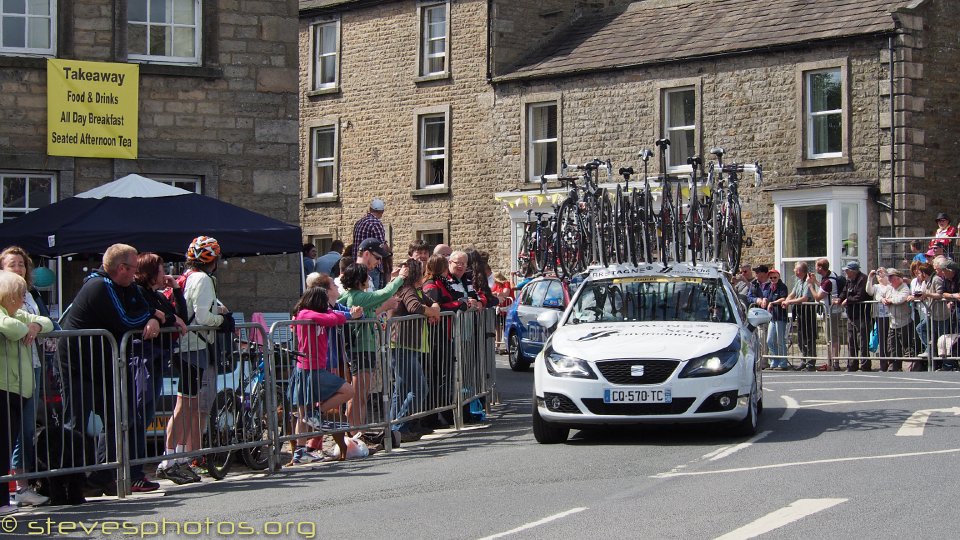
(573, 401)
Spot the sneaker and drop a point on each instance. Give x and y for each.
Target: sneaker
(193, 467)
(314, 421)
(28, 497)
(302, 456)
(144, 485)
(924, 354)
(175, 474)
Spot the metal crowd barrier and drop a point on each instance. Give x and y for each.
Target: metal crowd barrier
(67, 425)
(114, 411)
(819, 333)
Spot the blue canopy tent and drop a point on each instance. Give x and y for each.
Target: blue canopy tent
(150, 216)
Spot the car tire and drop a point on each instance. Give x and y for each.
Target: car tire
(748, 426)
(545, 432)
(515, 355)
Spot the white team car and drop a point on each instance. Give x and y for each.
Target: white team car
(649, 344)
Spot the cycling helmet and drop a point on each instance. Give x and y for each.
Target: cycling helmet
(203, 249)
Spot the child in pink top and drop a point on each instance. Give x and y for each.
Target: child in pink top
(313, 389)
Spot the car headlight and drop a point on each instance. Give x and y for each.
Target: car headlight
(561, 365)
(712, 364)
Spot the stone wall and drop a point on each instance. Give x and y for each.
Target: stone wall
(928, 127)
(375, 108)
(232, 121)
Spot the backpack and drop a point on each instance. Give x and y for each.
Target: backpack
(839, 284)
(181, 282)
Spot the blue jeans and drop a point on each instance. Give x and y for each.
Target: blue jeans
(409, 384)
(777, 343)
(141, 415)
(23, 458)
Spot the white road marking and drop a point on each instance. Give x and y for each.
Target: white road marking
(774, 520)
(791, 408)
(734, 449)
(800, 463)
(913, 426)
(821, 402)
(535, 523)
(887, 388)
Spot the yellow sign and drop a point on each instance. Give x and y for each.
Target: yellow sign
(92, 109)
(658, 279)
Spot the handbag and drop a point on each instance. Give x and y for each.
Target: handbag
(874, 338)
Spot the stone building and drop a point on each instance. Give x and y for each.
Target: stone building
(848, 105)
(217, 113)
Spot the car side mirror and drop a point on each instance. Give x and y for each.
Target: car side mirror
(758, 317)
(548, 320)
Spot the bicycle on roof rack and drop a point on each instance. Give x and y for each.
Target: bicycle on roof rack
(536, 253)
(584, 231)
(727, 218)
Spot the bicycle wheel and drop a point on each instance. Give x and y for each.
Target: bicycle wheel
(255, 428)
(222, 429)
(679, 234)
(568, 247)
(648, 228)
(733, 237)
(544, 248)
(604, 229)
(524, 262)
(620, 228)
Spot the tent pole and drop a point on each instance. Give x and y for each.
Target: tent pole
(59, 286)
(303, 277)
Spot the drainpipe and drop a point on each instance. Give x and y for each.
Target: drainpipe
(489, 41)
(893, 145)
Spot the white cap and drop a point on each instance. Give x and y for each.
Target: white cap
(377, 205)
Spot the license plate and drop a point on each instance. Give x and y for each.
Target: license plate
(645, 395)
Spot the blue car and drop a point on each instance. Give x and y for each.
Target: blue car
(522, 332)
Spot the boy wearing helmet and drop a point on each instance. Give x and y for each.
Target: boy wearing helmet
(197, 384)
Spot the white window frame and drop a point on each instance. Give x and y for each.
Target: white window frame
(423, 55)
(331, 162)
(811, 114)
(197, 27)
(27, 206)
(190, 183)
(429, 154)
(532, 142)
(669, 130)
(833, 198)
(31, 20)
(319, 56)
(425, 154)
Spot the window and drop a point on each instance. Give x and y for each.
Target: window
(824, 112)
(22, 193)
(680, 124)
(326, 54)
(820, 222)
(542, 140)
(164, 31)
(190, 183)
(433, 150)
(323, 161)
(432, 238)
(434, 34)
(28, 27)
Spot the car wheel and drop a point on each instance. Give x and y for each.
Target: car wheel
(517, 361)
(545, 432)
(748, 426)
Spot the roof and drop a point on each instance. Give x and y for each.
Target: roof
(659, 31)
(308, 6)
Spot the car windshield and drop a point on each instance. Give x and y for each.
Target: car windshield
(659, 298)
